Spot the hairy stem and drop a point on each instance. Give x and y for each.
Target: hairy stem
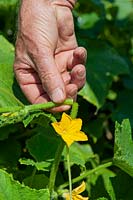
(48, 105)
(32, 176)
(34, 107)
(87, 173)
(69, 173)
(55, 166)
(60, 148)
(74, 110)
(10, 109)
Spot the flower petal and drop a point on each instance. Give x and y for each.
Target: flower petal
(66, 196)
(79, 189)
(76, 125)
(65, 120)
(69, 138)
(76, 192)
(57, 127)
(79, 197)
(75, 197)
(79, 136)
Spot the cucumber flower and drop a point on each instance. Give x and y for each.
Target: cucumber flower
(69, 129)
(76, 193)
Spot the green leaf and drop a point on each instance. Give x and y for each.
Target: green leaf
(44, 165)
(7, 3)
(10, 151)
(39, 181)
(83, 154)
(88, 94)
(123, 148)
(13, 117)
(122, 186)
(103, 65)
(7, 82)
(13, 190)
(43, 145)
(87, 20)
(107, 175)
(40, 118)
(124, 107)
(95, 128)
(5, 131)
(125, 8)
(100, 184)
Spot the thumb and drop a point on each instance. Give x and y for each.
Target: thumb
(50, 77)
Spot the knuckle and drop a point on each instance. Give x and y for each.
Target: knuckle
(46, 76)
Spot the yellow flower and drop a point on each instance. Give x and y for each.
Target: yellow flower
(76, 192)
(69, 129)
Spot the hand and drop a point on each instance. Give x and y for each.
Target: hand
(48, 63)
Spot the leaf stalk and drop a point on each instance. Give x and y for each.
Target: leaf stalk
(87, 173)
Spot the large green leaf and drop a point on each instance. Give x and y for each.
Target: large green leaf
(7, 83)
(122, 186)
(7, 130)
(13, 190)
(123, 149)
(87, 20)
(39, 117)
(7, 3)
(100, 184)
(82, 155)
(10, 151)
(125, 8)
(39, 181)
(103, 64)
(43, 145)
(12, 118)
(124, 107)
(110, 185)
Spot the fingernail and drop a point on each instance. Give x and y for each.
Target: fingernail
(57, 96)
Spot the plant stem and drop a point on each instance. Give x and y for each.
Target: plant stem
(73, 115)
(74, 110)
(69, 173)
(55, 166)
(48, 105)
(32, 176)
(87, 173)
(60, 148)
(10, 109)
(30, 108)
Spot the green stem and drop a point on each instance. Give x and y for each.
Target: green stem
(10, 109)
(58, 153)
(87, 173)
(55, 166)
(69, 173)
(30, 108)
(32, 176)
(48, 105)
(74, 110)
(73, 115)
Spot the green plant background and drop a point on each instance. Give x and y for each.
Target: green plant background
(105, 29)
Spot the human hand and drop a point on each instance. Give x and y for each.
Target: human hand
(48, 63)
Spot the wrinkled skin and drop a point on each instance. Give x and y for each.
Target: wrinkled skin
(48, 63)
